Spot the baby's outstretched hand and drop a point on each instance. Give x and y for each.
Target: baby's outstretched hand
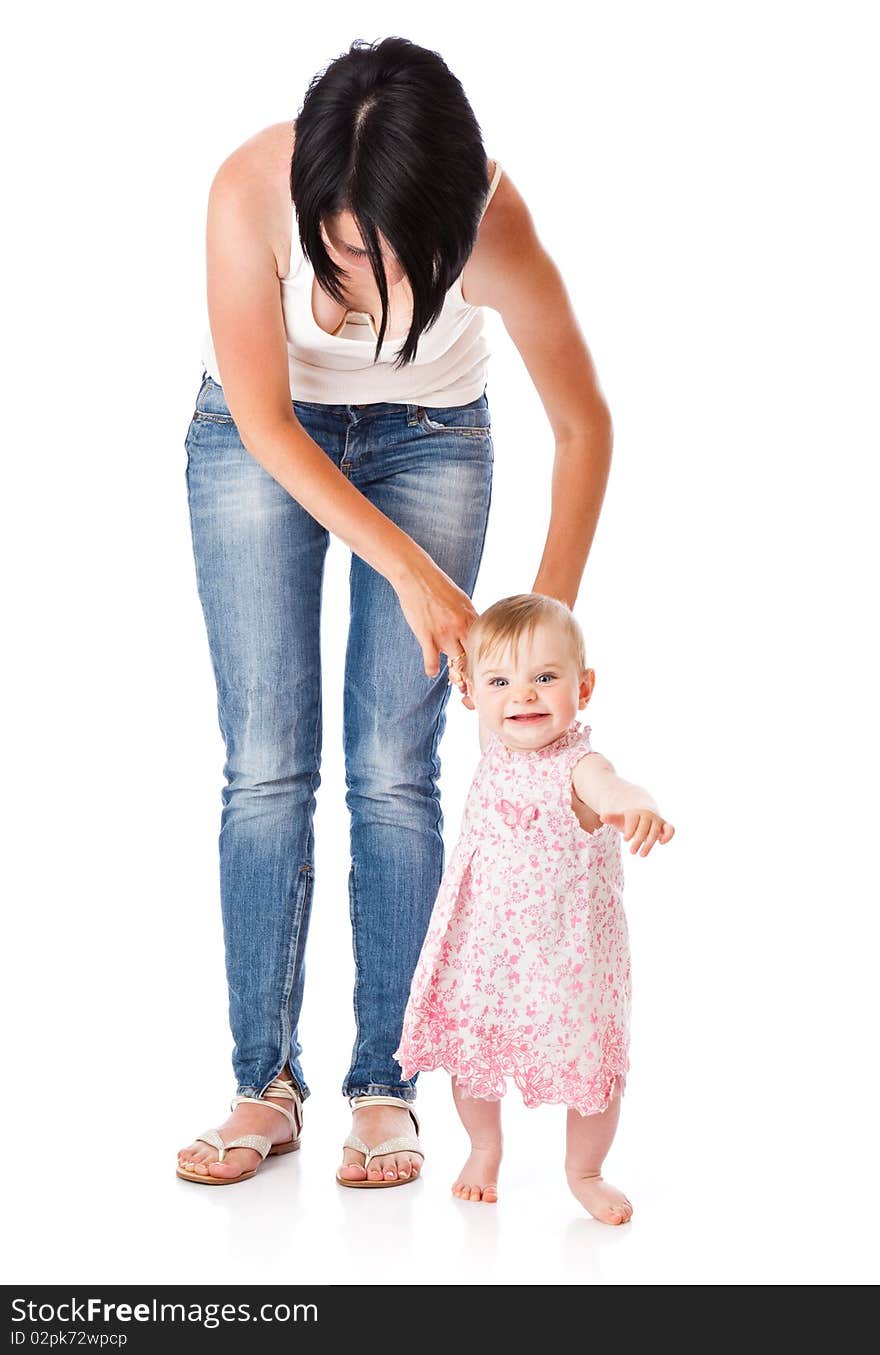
(644, 826)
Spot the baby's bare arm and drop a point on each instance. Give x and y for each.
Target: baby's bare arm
(596, 783)
(622, 804)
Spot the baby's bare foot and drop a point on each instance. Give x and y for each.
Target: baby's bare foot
(606, 1203)
(478, 1178)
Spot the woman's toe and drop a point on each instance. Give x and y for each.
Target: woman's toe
(223, 1169)
(351, 1169)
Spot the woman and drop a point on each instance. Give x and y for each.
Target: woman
(348, 261)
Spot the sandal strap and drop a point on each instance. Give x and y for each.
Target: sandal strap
(211, 1136)
(357, 1101)
(262, 1144)
(406, 1143)
(282, 1086)
(259, 1142)
(278, 1087)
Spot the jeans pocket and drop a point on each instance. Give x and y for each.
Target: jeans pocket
(470, 421)
(211, 404)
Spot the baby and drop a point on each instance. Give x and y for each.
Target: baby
(525, 968)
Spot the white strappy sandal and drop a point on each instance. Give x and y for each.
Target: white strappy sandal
(405, 1143)
(263, 1145)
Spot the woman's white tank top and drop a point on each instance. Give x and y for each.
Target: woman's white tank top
(449, 369)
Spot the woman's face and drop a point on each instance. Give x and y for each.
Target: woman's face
(346, 248)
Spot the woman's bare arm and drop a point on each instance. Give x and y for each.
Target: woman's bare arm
(511, 272)
(247, 329)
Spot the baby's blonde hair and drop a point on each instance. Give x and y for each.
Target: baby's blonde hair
(507, 621)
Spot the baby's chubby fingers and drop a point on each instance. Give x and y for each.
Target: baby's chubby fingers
(626, 821)
(660, 831)
(653, 835)
(641, 827)
(640, 832)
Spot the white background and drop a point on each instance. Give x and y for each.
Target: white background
(704, 176)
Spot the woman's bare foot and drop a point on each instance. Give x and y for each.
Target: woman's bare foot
(606, 1203)
(375, 1124)
(247, 1118)
(478, 1178)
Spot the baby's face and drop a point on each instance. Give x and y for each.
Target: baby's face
(530, 698)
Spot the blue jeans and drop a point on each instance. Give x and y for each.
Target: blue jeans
(259, 559)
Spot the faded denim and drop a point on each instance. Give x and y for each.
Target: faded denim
(259, 559)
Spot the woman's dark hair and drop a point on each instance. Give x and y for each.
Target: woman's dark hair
(386, 133)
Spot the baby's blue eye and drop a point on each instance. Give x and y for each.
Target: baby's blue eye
(551, 677)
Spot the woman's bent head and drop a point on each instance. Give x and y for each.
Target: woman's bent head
(389, 169)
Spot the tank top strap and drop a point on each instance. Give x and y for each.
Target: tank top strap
(297, 258)
(493, 185)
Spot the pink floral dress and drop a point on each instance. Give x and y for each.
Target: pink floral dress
(525, 968)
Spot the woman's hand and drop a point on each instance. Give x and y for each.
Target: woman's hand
(438, 612)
